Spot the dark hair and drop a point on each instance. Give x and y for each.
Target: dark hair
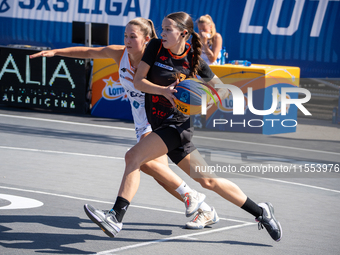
(146, 26)
(184, 22)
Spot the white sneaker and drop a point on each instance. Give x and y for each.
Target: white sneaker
(202, 219)
(192, 201)
(106, 220)
(269, 221)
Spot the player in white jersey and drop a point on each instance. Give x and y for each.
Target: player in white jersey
(136, 97)
(138, 33)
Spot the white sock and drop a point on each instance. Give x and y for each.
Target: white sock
(205, 207)
(183, 188)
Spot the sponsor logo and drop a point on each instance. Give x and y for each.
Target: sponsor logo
(184, 96)
(155, 99)
(113, 90)
(164, 66)
(186, 65)
(136, 104)
(274, 17)
(136, 94)
(163, 58)
(182, 108)
(158, 112)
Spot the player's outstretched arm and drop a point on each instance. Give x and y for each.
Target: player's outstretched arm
(112, 51)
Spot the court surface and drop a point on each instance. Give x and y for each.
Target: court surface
(53, 164)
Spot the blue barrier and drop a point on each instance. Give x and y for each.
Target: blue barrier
(300, 33)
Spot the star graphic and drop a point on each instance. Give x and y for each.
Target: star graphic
(109, 82)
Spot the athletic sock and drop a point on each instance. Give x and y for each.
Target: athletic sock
(120, 208)
(183, 188)
(205, 207)
(251, 207)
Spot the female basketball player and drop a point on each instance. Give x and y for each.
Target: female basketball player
(162, 61)
(138, 33)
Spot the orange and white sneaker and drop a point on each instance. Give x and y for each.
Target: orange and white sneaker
(192, 201)
(203, 219)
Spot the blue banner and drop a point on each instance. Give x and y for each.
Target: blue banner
(301, 33)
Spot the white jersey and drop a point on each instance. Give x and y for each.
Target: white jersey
(136, 97)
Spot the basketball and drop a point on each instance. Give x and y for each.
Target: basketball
(189, 96)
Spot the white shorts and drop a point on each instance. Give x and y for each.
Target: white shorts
(142, 130)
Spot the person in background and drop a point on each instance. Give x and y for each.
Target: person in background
(211, 50)
(211, 40)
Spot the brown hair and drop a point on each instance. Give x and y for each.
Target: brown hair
(184, 21)
(146, 26)
(206, 19)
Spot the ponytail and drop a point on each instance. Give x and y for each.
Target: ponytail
(184, 21)
(153, 34)
(197, 47)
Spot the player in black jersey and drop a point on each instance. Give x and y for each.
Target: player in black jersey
(164, 60)
(171, 129)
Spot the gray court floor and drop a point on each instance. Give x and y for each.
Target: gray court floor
(52, 164)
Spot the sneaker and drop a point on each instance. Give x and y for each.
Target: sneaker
(106, 220)
(203, 219)
(192, 201)
(269, 222)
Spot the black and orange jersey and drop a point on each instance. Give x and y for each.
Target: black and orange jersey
(165, 67)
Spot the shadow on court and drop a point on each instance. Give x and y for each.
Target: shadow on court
(40, 240)
(46, 240)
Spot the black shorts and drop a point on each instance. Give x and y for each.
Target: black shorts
(178, 142)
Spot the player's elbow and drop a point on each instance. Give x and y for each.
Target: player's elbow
(213, 58)
(137, 83)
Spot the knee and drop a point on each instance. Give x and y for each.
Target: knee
(131, 157)
(207, 183)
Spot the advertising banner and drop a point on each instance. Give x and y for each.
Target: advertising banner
(301, 33)
(57, 84)
(109, 98)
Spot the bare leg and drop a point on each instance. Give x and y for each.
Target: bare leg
(149, 148)
(221, 186)
(151, 168)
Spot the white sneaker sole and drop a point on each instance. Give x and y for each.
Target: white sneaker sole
(106, 228)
